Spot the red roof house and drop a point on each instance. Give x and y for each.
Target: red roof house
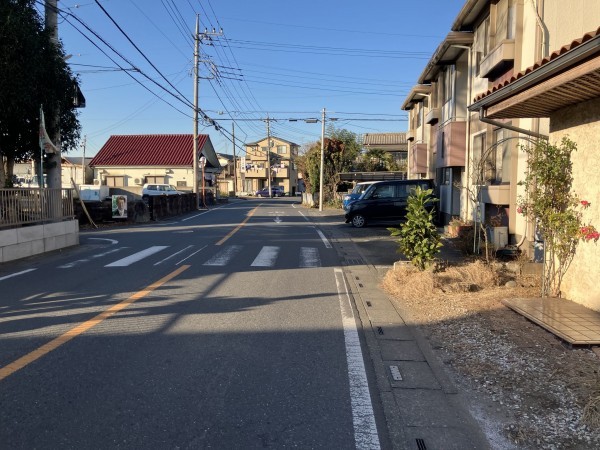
(129, 160)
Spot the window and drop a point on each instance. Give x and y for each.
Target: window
(182, 183)
(502, 155)
(385, 191)
(481, 42)
(115, 181)
(505, 26)
(448, 93)
(446, 176)
(478, 149)
(281, 149)
(153, 179)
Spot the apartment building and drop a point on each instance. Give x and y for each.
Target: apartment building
(510, 40)
(255, 170)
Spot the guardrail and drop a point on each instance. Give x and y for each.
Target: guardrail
(28, 206)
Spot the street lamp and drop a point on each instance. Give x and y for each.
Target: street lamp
(202, 164)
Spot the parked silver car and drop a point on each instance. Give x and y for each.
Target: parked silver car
(152, 189)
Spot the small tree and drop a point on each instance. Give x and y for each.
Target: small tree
(419, 240)
(555, 208)
(340, 151)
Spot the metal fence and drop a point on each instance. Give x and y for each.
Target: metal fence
(27, 206)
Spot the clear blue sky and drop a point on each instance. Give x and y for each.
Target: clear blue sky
(286, 59)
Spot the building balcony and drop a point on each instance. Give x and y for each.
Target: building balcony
(418, 158)
(496, 194)
(281, 173)
(498, 58)
(256, 173)
(433, 116)
(451, 144)
(410, 135)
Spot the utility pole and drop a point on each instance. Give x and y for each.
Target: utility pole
(322, 161)
(234, 159)
(54, 171)
(195, 77)
(269, 155)
(83, 160)
(197, 39)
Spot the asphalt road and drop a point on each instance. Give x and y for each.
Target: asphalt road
(231, 328)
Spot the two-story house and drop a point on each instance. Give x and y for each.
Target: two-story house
(273, 162)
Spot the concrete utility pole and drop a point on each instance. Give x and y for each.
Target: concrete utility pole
(269, 155)
(54, 172)
(322, 161)
(195, 77)
(83, 160)
(234, 159)
(197, 39)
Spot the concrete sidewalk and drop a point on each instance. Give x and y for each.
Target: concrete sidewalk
(422, 407)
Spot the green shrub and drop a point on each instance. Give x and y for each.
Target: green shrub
(419, 239)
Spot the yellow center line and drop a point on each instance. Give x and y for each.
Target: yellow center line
(235, 230)
(83, 327)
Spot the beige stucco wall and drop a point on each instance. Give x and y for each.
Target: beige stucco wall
(581, 124)
(570, 19)
(170, 176)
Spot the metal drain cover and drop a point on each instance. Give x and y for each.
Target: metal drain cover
(395, 371)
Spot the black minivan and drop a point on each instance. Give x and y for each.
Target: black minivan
(384, 201)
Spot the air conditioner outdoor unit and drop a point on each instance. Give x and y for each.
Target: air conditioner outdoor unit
(96, 181)
(137, 181)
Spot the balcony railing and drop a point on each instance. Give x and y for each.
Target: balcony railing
(29, 206)
(451, 144)
(256, 173)
(418, 158)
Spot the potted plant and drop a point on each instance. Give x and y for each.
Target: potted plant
(458, 227)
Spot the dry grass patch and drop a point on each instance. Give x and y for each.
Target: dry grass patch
(539, 392)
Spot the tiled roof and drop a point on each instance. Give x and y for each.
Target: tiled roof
(148, 150)
(384, 138)
(566, 48)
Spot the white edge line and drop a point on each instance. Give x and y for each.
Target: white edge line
(16, 274)
(188, 257)
(363, 418)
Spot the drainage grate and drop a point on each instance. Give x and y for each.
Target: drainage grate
(369, 303)
(354, 262)
(421, 444)
(395, 371)
(380, 330)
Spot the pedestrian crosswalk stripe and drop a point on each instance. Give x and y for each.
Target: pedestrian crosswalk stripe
(266, 257)
(137, 256)
(224, 256)
(309, 257)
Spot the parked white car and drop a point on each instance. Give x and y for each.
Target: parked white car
(152, 189)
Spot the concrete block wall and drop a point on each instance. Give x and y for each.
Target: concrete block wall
(18, 243)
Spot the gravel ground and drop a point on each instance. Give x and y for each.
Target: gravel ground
(526, 387)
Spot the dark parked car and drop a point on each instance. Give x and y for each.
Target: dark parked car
(384, 201)
(276, 191)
